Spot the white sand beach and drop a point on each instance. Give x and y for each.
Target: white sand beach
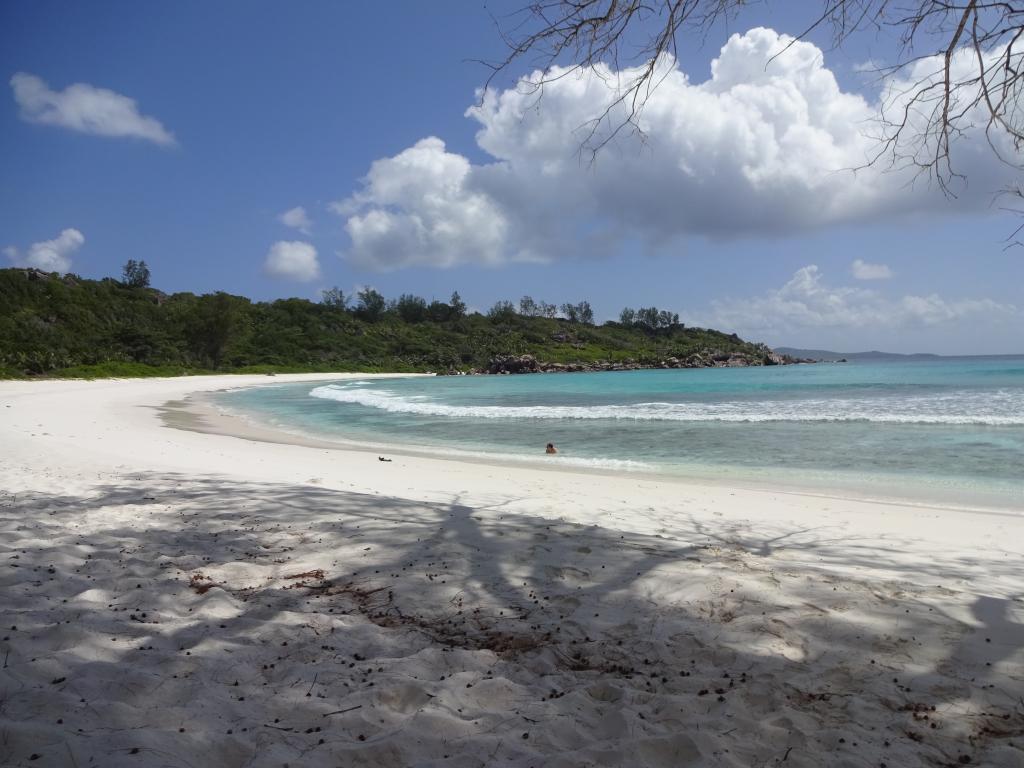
(174, 597)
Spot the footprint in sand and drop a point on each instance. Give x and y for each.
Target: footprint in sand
(554, 572)
(604, 691)
(669, 751)
(716, 587)
(403, 698)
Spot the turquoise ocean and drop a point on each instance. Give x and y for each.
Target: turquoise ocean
(947, 430)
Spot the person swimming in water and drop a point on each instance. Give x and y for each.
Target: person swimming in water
(550, 448)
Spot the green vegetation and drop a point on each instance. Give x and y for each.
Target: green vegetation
(66, 326)
(135, 274)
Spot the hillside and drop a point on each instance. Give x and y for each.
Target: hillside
(69, 326)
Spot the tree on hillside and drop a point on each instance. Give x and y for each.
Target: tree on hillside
(650, 318)
(333, 297)
(502, 311)
(938, 103)
(668, 319)
(412, 309)
(370, 304)
(438, 311)
(647, 317)
(458, 306)
(135, 274)
(578, 313)
(586, 314)
(209, 326)
(530, 308)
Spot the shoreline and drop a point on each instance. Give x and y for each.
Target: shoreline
(198, 413)
(199, 599)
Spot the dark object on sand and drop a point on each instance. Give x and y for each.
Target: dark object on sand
(381, 458)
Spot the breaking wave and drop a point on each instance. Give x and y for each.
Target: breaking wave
(1001, 408)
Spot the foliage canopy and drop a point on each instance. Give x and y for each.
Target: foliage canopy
(54, 325)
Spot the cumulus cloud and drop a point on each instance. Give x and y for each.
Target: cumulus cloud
(294, 260)
(764, 146)
(49, 255)
(87, 109)
(863, 270)
(421, 207)
(808, 302)
(297, 218)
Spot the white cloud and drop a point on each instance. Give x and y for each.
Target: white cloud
(297, 218)
(870, 66)
(863, 270)
(87, 109)
(420, 208)
(807, 302)
(293, 260)
(764, 146)
(49, 255)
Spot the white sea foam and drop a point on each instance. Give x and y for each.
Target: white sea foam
(1001, 408)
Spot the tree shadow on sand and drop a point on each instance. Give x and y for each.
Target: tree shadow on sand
(177, 621)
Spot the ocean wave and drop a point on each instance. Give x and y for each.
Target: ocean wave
(988, 409)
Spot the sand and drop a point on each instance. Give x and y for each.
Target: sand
(174, 597)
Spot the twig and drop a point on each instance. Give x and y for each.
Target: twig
(342, 711)
(496, 748)
(786, 756)
(312, 684)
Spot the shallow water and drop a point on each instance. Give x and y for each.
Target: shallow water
(949, 429)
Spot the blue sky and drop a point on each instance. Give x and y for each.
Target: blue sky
(245, 110)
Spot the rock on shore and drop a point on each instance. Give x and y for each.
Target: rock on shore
(515, 364)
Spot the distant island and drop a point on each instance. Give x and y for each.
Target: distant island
(67, 326)
(828, 356)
